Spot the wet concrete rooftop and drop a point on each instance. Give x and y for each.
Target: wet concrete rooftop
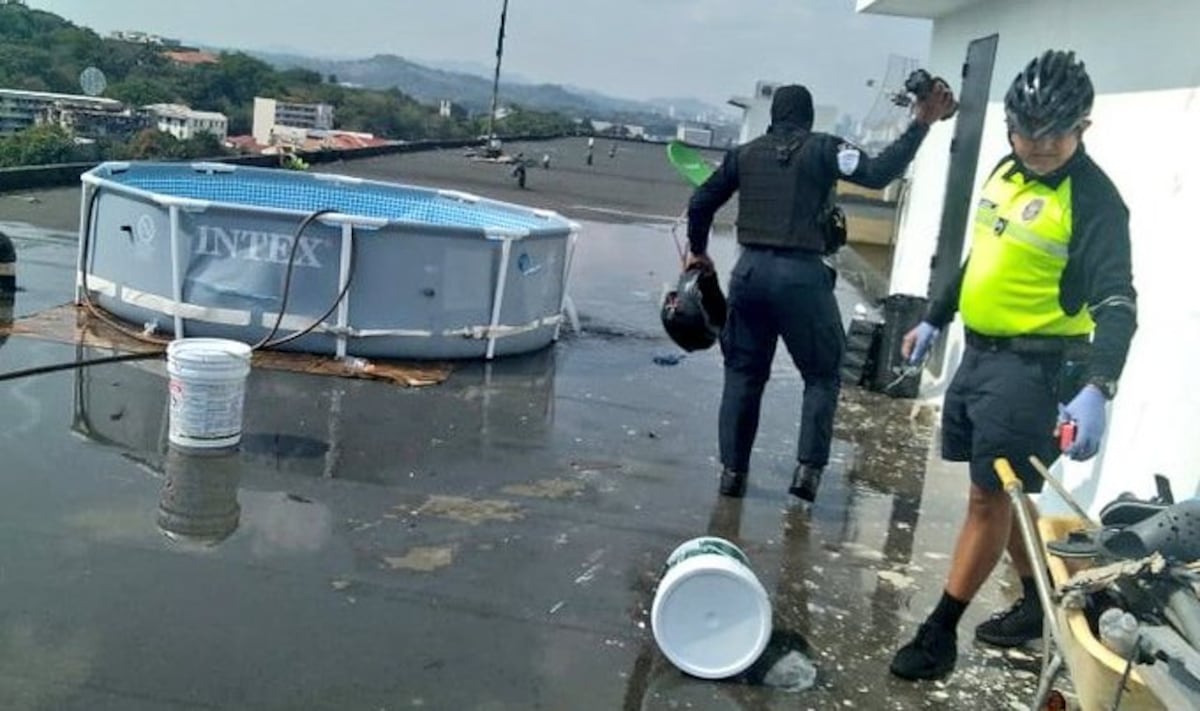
(489, 543)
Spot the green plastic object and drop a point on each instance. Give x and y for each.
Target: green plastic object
(688, 161)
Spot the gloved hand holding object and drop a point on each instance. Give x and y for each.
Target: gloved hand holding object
(1086, 411)
(916, 342)
(931, 97)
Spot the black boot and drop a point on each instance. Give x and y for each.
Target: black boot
(931, 654)
(1015, 626)
(733, 484)
(805, 482)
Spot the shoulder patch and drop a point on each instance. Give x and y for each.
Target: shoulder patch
(1033, 209)
(848, 157)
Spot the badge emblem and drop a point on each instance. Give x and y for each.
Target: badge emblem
(1032, 210)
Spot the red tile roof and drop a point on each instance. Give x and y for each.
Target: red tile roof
(192, 57)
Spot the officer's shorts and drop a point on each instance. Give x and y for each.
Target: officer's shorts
(1002, 404)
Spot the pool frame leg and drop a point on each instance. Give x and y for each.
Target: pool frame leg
(176, 271)
(343, 312)
(568, 262)
(498, 297)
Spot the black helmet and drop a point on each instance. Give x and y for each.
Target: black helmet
(1051, 96)
(693, 314)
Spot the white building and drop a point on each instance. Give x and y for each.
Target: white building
(21, 109)
(269, 113)
(756, 112)
(1147, 77)
(185, 123)
(695, 135)
(139, 37)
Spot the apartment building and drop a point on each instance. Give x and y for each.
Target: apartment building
(184, 123)
(272, 113)
(20, 109)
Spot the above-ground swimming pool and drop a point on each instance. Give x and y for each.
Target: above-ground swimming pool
(392, 271)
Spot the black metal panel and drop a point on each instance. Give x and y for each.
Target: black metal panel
(960, 178)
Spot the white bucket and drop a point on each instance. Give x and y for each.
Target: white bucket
(711, 616)
(207, 388)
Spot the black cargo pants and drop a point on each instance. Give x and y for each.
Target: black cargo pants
(777, 293)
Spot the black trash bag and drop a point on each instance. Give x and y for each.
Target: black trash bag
(693, 313)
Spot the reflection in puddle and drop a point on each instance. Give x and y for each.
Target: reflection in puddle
(43, 670)
(336, 428)
(198, 502)
(285, 524)
(283, 446)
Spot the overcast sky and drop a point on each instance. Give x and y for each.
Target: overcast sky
(707, 49)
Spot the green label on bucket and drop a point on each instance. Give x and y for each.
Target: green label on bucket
(707, 545)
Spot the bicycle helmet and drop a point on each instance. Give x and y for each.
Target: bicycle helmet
(693, 313)
(1052, 95)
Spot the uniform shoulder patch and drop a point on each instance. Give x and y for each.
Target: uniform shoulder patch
(848, 157)
(1033, 209)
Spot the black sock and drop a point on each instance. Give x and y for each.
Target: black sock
(1029, 590)
(948, 612)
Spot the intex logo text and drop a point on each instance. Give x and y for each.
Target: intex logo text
(255, 246)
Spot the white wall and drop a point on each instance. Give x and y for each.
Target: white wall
(1147, 77)
(264, 120)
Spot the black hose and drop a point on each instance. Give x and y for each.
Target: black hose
(263, 344)
(287, 288)
(42, 369)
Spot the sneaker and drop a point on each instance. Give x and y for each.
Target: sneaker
(1015, 626)
(930, 655)
(733, 484)
(805, 482)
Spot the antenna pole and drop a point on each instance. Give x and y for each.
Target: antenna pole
(496, 79)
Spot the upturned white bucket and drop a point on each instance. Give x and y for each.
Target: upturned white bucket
(208, 390)
(711, 616)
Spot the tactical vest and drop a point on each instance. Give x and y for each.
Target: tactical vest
(779, 200)
(1019, 249)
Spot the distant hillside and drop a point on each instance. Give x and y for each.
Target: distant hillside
(41, 51)
(473, 90)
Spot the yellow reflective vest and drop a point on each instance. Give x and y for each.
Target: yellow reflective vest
(1019, 247)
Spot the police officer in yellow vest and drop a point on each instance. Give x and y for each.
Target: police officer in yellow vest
(1047, 285)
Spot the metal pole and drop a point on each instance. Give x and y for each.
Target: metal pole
(176, 271)
(496, 79)
(343, 311)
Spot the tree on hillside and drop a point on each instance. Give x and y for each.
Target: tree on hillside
(39, 145)
(154, 144)
(302, 77)
(140, 92)
(19, 23)
(524, 122)
(150, 143)
(40, 51)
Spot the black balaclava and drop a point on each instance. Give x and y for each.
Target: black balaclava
(793, 107)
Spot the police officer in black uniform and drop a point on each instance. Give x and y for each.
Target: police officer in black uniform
(780, 285)
(1048, 306)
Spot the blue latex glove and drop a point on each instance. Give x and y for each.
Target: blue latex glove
(922, 336)
(1087, 412)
